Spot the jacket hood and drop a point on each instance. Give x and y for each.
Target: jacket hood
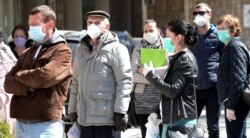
(55, 38)
(108, 37)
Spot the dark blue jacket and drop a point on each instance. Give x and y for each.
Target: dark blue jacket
(208, 51)
(232, 72)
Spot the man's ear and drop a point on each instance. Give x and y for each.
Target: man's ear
(210, 15)
(159, 30)
(51, 24)
(108, 26)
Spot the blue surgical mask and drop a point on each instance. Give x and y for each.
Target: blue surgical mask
(224, 36)
(20, 41)
(168, 45)
(36, 33)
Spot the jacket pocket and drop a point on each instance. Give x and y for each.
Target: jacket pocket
(102, 64)
(101, 104)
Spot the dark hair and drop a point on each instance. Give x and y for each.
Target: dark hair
(185, 29)
(28, 44)
(47, 13)
(150, 21)
(20, 27)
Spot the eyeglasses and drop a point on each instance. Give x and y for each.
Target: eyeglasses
(200, 13)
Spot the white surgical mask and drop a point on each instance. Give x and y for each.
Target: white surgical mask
(151, 37)
(200, 20)
(94, 31)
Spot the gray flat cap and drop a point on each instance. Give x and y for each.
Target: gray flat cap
(97, 13)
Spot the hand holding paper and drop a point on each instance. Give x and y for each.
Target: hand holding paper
(146, 68)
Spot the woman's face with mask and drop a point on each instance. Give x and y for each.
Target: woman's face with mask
(19, 38)
(224, 33)
(151, 32)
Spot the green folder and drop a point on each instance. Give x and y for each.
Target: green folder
(156, 56)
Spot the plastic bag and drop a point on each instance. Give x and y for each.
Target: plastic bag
(74, 131)
(153, 129)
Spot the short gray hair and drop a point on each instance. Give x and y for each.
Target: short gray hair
(205, 5)
(106, 21)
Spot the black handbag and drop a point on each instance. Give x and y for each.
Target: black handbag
(245, 95)
(186, 131)
(132, 118)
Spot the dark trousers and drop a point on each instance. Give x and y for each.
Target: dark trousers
(143, 119)
(209, 98)
(237, 128)
(99, 132)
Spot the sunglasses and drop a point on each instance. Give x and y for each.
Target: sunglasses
(200, 12)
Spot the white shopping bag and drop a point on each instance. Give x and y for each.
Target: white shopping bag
(153, 129)
(74, 131)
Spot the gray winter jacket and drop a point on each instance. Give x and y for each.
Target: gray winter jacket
(102, 82)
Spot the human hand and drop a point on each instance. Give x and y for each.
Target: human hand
(153, 117)
(19, 73)
(146, 68)
(120, 121)
(73, 117)
(230, 115)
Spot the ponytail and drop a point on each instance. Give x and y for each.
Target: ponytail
(190, 36)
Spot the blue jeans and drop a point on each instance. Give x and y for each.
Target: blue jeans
(209, 98)
(237, 128)
(39, 130)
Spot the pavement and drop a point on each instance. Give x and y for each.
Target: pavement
(135, 132)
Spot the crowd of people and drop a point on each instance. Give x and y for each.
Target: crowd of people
(207, 68)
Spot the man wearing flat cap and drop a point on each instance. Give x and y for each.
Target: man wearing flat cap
(102, 81)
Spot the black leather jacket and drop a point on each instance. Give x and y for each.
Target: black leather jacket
(177, 89)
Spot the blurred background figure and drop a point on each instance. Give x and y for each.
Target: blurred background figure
(20, 41)
(7, 61)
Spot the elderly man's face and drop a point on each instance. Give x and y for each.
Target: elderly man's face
(99, 21)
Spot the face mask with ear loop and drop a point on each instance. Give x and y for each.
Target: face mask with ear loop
(224, 36)
(168, 44)
(200, 20)
(94, 31)
(151, 38)
(36, 33)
